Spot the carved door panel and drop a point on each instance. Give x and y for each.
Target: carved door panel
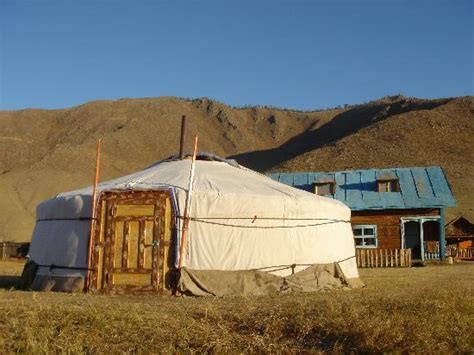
(134, 246)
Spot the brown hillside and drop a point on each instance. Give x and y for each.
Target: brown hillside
(44, 152)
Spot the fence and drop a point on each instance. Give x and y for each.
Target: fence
(460, 253)
(432, 250)
(383, 257)
(13, 250)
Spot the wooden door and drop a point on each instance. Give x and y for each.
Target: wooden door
(134, 241)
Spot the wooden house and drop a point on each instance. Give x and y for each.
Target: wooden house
(460, 233)
(397, 208)
(460, 238)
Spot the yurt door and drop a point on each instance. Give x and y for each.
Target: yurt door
(136, 241)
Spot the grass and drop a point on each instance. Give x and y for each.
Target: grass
(418, 309)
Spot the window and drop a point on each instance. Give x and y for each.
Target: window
(324, 188)
(388, 185)
(325, 184)
(365, 236)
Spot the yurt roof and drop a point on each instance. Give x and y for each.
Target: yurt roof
(212, 173)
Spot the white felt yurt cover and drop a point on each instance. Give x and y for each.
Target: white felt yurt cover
(240, 220)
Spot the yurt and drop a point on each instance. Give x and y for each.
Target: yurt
(246, 234)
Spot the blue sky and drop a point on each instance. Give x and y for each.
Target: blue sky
(298, 54)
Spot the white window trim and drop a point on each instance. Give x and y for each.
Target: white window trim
(374, 227)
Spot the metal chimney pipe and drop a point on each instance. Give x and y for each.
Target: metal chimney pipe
(183, 136)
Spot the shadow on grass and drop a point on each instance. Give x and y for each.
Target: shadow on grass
(309, 337)
(8, 281)
(346, 342)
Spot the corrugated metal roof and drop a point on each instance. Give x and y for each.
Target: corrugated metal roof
(425, 187)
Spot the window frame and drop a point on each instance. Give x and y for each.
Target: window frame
(363, 236)
(391, 185)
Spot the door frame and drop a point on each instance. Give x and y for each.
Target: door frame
(103, 245)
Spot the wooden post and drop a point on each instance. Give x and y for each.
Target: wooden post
(376, 258)
(442, 237)
(183, 136)
(187, 206)
(93, 218)
(396, 257)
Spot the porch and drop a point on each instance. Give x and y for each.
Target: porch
(424, 236)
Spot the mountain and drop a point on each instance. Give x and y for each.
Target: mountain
(44, 152)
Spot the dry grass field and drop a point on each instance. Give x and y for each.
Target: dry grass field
(419, 309)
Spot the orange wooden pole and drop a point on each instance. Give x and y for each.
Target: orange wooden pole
(187, 206)
(93, 217)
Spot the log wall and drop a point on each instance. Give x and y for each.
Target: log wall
(388, 223)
